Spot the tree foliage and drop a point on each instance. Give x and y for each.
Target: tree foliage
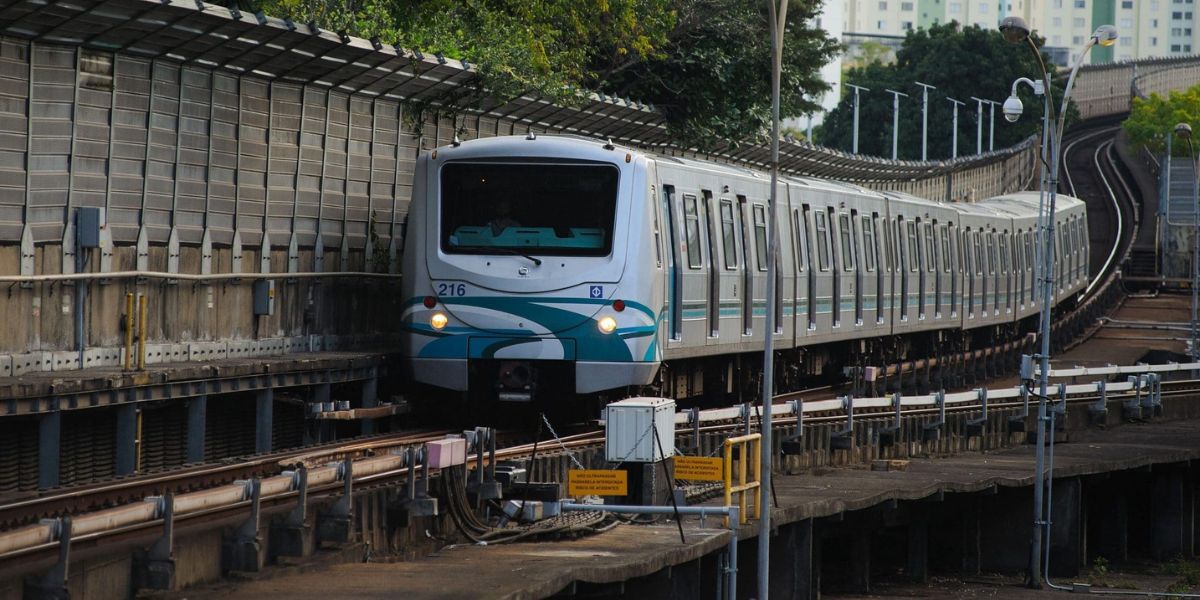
(1152, 119)
(704, 63)
(960, 63)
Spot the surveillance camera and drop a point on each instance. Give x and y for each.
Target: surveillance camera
(1013, 109)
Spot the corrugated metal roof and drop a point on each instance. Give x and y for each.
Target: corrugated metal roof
(277, 49)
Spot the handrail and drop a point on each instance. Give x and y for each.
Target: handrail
(749, 451)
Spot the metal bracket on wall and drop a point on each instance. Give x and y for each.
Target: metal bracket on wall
(53, 585)
(335, 525)
(318, 256)
(844, 439)
(173, 254)
(235, 253)
(888, 435)
(143, 250)
(264, 254)
(156, 569)
(289, 537)
(976, 426)
(206, 253)
(293, 261)
(1133, 406)
(28, 254)
(933, 431)
(243, 550)
(1098, 410)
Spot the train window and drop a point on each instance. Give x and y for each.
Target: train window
(978, 255)
(691, 217)
(869, 245)
(533, 207)
(930, 249)
(944, 234)
(760, 236)
(727, 235)
(913, 248)
(798, 223)
(991, 252)
(822, 240)
(847, 246)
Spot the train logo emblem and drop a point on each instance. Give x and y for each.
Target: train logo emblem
(597, 291)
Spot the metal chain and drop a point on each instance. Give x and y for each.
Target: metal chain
(554, 434)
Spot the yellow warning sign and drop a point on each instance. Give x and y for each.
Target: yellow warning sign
(698, 468)
(594, 482)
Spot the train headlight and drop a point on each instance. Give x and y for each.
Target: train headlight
(438, 320)
(607, 324)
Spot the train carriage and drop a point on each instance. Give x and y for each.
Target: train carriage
(536, 266)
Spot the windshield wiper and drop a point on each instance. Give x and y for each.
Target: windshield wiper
(501, 250)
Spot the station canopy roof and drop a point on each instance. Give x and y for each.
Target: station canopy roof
(217, 37)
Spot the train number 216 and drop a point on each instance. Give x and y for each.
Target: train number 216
(451, 289)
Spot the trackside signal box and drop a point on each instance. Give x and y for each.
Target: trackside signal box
(630, 426)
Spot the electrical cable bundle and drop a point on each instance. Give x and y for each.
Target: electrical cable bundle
(455, 492)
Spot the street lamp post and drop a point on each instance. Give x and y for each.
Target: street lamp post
(1183, 130)
(895, 119)
(953, 129)
(992, 125)
(1016, 31)
(979, 102)
(857, 88)
(925, 87)
(778, 21)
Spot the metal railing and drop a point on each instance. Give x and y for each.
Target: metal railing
(749, 461)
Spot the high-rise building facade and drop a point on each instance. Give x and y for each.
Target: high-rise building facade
(1148, 28)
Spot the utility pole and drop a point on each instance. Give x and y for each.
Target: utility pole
(954, 129)
(979, 102)
(992, 126)
(895, 119)
(925, 87)
(857, 88)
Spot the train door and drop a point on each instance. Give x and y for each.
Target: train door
(943, 270)
(714, 274)
(993, 272)
(800, 255)
(954, 270)
(733, 237)
(834, 270)
(927, 266)
(872, 261)
(674, 274)
(1018, 269)
(812, 266)
(901, 267)
(980, 272)
(969, 271)
(1005, 272)
(888, 266)
(848, 230)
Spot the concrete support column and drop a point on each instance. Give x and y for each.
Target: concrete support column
(127, 438)
(49, 437)
(197, 424)
(370, 399)
(1108, 524)
(792, 562)
(264, 419)
(1066, 527)
(1171, 514)
(918, 546)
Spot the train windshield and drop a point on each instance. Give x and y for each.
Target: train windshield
(548, 208)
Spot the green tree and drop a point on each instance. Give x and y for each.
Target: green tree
(704, 63)
(960, 63)
(1152, 119)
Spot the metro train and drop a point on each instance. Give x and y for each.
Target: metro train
(537, 266)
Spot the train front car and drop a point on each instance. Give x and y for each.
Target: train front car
(517, 272)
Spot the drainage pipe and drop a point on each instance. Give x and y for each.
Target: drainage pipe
(702, 511)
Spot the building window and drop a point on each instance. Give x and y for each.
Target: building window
(1079, 22)
(1154, 23)
(1057, 40)
(1057, 21)
(882, 5)
(955, 7)
(1187, 16)
(983, 7)
(1126, 41)
(1126, 24)
(1127, 4)
(1080, 3)
(1177, 15)
(1187, 48)
(1174, 47)
(907, 25)
(906, 6)
(1176, 31)
(1153, 41)
(1058, 3)
(1077, 40)
(881, 25)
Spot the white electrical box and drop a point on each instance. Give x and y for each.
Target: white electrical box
(629, 430)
